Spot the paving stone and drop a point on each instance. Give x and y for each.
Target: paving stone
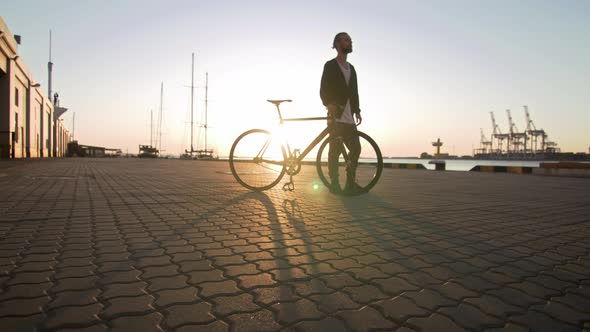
(575, 301)
(311, 287)
(149, 322)
(93, 328)
(537, 321)
(73, 316)
(289, 274)
(561, 312)
(22, 323)
(217, 326)
(395, 285)
(270, 295)
(175, 282)
(419, 278)
(326, 324)
(119, 266)
(159, 271)
(227, 305)
(515, 297)
(30, 278)
(367, 273)
(545, 280)
(197, 313)
(429, 299)
(199, 277)
(259, 321)
(365, 293)
(258, 280)
(34, 267)
(25, 291)
(290, 312)
(119, 277)
(475, 283)
(400, 309)
(330, 303)
(338, 281)
(23, 307)
(227, 287)
(73, 298)
(453, 290)
(117, 290)
(316, 269)
(195, 265)
(493, 306)
(127, 305)
(435, 322)
(366, 319)
(244, 269)
(171, 296)
(509, 327)
(470, 317)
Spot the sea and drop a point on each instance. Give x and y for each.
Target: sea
(465, 164)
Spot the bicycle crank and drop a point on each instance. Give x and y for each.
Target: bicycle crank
(289, 186)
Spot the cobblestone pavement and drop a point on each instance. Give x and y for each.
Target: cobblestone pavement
(149, 245)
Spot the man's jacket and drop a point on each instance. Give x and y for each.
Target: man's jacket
(334, 90)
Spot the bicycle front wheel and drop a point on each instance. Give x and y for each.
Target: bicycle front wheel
(369, 168)
(256, 160)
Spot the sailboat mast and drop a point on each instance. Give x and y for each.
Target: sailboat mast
(192, 99)
(160, 122)
(151, 127)
(206, 104)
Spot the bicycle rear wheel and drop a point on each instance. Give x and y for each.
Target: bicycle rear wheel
(370, 164)
(256, 160)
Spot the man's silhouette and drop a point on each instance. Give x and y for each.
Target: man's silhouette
(339, 93)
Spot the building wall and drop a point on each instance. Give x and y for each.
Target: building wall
(27, 124)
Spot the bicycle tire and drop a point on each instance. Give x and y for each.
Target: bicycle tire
(238, 164)
(378, 163)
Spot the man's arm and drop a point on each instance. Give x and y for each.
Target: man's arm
(325, 91)
(355, 95)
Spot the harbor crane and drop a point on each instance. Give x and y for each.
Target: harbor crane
(498, 136)
(517, 140)
(535, 133)
(485, 146)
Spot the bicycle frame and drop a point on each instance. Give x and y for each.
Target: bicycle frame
(285, 143)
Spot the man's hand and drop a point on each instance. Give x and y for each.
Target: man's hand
(358, 118)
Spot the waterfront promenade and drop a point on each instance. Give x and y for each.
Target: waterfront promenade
(150, 245)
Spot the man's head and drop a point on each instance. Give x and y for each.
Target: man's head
(342, 43)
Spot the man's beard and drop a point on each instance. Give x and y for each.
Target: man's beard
(347, 50)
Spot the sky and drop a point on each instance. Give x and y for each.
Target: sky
(426, 69)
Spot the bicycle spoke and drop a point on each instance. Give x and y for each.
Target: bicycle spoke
(256, 160)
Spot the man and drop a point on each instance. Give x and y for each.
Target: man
(339, 93)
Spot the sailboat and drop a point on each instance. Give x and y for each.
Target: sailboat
(206, 154)
(150, 151)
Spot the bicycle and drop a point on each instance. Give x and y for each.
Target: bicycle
(259, 159)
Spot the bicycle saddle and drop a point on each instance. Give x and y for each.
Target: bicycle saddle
(278, 102)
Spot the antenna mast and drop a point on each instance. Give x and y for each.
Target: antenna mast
(151, 127)
(192, 99)
(160, 121)
(206, 105)
(50, 70)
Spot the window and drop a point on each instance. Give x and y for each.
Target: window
(16, 96)
(16, 127)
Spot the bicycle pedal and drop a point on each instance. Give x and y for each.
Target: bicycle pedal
(289, 186)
